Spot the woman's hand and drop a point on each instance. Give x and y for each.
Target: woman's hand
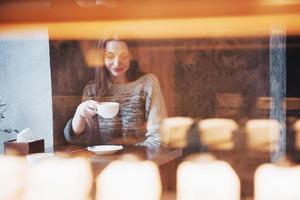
(87, 108)
(84, 111)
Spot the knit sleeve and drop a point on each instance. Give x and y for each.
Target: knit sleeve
(155, 112)
(86, 137)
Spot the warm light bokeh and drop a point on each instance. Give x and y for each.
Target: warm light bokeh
(131, 179)
(273, 182)
(212, 179)
(12, 177)
(169, 28)
(59, 179)
(217, 133)
(174, 131)
(263, 134)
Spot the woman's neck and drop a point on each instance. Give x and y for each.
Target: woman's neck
(119, 80)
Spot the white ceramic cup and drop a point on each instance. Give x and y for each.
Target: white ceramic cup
(108, 109)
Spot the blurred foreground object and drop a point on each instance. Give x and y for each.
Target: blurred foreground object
(12, 177)
(214, 133)
(217, 133)
(263, 134)
(129, 179)
(35, 158)
(203, 177)
(174, 131)
(274, 182)
(91, 3)
(56, 179)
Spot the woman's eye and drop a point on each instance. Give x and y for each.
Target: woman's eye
(109, 56)
(124, 56)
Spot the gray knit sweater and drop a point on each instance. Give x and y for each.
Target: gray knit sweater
(142, 108)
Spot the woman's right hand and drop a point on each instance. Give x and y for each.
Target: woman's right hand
(87, 109)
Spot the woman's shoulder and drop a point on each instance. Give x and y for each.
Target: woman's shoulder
(149, 78)
(150, 82)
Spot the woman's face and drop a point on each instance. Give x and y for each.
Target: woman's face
(117, 58)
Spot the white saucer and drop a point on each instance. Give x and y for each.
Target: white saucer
(104, 149)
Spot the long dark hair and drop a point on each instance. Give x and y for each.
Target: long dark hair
(102, 78)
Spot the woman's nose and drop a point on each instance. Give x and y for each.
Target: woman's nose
(116, 61)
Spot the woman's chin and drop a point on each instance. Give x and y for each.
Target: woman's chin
(118, 74)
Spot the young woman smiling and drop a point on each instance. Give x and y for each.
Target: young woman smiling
(119, 79)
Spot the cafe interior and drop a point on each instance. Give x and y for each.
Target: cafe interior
(229, 75)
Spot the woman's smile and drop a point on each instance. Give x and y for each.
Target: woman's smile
(118, 69)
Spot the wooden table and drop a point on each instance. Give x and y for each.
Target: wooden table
(166, 159)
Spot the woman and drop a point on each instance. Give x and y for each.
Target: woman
(119, 80)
